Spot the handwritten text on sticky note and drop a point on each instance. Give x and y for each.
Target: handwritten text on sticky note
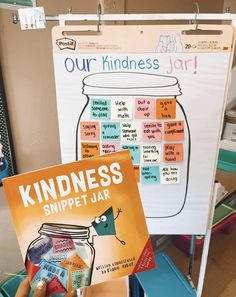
(89, 149)
(173, 152)
(110, 131)
(121, 109)
(150, 175)
(145, 108)
(166, 108)
(170, 174)
(134, 151)
(174, 130)
(109, 147)
(152, 131)
(100, 109)
(130, 131)
(151, 153)
(89, 131)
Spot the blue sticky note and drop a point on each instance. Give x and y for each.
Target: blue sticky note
(48, 270)
(39, 249)
(110, 131)
(150, 175)
(100, 109)
(134, 151)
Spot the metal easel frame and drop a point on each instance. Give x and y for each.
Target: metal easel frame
(194, 18)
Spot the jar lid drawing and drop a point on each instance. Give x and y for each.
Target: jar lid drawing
(65, 231)
(127, 83)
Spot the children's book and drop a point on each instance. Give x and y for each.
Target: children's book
(80, 223)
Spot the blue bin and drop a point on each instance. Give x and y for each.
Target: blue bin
(226, 160)
(165, 280)
(11, 285)
(5, 171)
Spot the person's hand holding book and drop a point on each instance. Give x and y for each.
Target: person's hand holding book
(40, 291)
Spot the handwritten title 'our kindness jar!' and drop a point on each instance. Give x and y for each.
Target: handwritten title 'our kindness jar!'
(141, 112)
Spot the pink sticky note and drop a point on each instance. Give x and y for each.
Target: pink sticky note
(152, 131)
(109, 147)
(145, 108)
(89, 131)
(61, 245)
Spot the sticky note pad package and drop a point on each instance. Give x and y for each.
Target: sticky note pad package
(80, 223)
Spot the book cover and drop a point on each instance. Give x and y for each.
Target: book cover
(80, 223)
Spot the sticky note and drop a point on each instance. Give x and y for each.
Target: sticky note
(39, 249)
(173, 152)
(151, 153)
(31, 269)
(48, 271)
(170, 174)
(89, 130)
(55, 258)
(145, 108)
(54, 287)
(137, 173)
(109, 147)
(166, 108)
(174, 130)
(150, 175)
(74, 262)
(89, 149)
(134, 151)
(110, 131)
(81, 250)
(100, 109)
(61, 245)
(152, 131)
(80, 278)
(121, 109)
(130, 131)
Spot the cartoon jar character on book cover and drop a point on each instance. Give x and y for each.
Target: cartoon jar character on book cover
(80, 223)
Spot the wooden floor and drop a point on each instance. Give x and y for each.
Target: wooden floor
(220, 280)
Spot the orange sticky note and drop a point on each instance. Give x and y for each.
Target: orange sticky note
(173, 152)
(166, 108)
(137, 173)
(174, 130)
(74, 262)
(89, 149)
(89, 131)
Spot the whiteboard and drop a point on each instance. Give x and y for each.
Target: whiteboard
(156, 97)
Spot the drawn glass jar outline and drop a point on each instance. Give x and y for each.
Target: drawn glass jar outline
(131, 85)
(69, 241)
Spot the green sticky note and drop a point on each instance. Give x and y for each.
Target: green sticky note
(110, 131)
(80, 278)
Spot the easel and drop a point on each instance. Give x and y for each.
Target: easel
(194, 18)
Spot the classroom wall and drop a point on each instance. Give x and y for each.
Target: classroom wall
(165, 6)
(231, 4)
(26, 59)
